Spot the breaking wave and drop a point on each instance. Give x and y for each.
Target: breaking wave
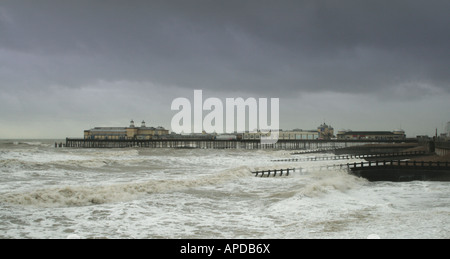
(89, 195)
(322, 182)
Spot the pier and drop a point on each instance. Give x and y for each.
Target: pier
(282, 144)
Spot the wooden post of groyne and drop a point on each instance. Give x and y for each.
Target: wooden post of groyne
(268, 173)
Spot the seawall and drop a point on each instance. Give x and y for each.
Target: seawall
(400, 170)
(402, 174)
(376, 148)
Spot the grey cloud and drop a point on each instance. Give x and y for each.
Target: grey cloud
(261, 45)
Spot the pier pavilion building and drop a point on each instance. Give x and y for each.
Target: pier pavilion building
(123, 133)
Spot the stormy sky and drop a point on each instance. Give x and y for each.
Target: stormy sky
(66, 66)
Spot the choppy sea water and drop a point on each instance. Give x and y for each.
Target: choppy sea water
(48, 192)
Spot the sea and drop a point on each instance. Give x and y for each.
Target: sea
(145, 193)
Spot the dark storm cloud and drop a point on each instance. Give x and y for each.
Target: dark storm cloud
(342, 46)
(101, 63)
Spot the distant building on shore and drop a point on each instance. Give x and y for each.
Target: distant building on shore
(371, 135)
(122, 133)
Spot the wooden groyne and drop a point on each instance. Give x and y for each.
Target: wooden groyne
(288, 171)
(397, 171)
(376, 148)
(364, 156)
(274, 172)
(323, 150)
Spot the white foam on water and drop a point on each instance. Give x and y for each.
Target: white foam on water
(170, 193)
